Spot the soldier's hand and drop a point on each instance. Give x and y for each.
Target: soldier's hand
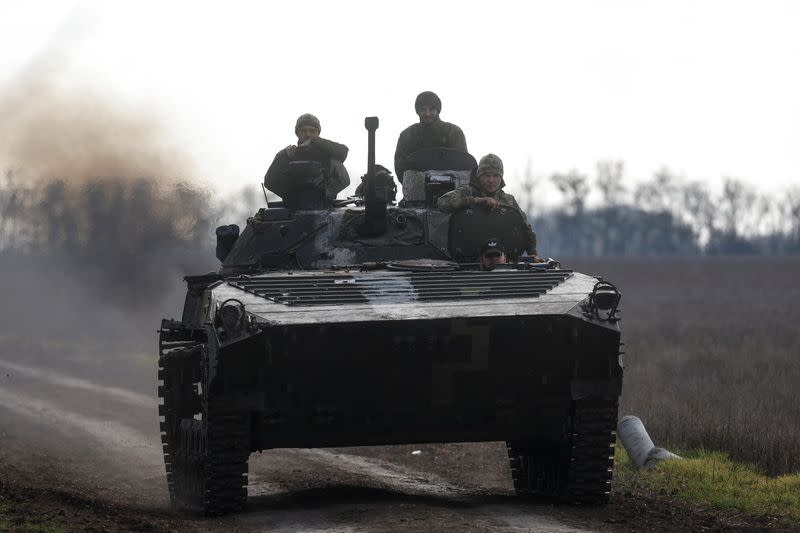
(290, 150)
(486, 201)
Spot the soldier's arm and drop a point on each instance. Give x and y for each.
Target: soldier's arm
(277, 176)
(531, 235)
(452, 201)
(338, 179)
(458, 140)
(332, 149)
(400, 154)
(509, 200)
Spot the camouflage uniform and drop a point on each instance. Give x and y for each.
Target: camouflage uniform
(461, 197)
(329, 153)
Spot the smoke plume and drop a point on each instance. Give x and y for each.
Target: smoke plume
(98, 212)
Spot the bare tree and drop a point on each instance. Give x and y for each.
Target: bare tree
(609, 181)
(19, 224)
(792, 202)
(529, 185)
(660, 194)
(7, 208)
(735, 206)
(574, 186)
(698, 210)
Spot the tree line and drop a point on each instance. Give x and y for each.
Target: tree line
(123, 240)
(118, 222)
(661, 216)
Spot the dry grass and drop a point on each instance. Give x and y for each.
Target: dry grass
(713, 353)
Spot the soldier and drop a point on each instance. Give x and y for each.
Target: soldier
(310, 147)
(430, 132)
(493, 253)
(486, 189)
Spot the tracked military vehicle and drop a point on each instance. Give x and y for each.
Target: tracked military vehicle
(372, 324)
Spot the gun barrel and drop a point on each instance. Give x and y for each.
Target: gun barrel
(371, 123)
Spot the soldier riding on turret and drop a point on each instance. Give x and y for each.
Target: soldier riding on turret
(430, 132)
(309, 174)
(486, 189)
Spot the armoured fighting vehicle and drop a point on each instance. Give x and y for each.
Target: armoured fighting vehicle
(372, 324)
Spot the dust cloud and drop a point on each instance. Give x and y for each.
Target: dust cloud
(99, 214)
(55, 124)
(50, 131)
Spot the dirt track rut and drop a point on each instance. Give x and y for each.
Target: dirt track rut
(76, 433)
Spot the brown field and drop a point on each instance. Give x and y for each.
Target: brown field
(712, 353)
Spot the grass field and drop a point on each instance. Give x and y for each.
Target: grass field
(712, 353)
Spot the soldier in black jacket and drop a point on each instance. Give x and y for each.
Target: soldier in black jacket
(430, 132)
(310, 147)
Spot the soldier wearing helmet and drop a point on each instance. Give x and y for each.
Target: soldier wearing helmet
(309, 147)
(429, 132)
(486, 189)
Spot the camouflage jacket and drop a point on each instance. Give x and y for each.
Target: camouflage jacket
(329, 153)
(461, 198)
(419, 136)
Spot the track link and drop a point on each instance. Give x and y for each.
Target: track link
(205, 456)
(178, 371)
(579, 469)
(211, 470)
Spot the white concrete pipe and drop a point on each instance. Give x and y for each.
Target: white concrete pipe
(637, 443)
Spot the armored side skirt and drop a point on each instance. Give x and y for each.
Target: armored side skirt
(480, 379)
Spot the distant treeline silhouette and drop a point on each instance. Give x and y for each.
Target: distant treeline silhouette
(662, 216)
(128, 219)
(125, 240)
(136, 227)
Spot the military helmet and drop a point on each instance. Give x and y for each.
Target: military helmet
(307, 119)
(490, 164)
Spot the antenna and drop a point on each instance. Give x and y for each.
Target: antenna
(263, 188)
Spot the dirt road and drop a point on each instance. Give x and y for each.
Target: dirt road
(101, 439)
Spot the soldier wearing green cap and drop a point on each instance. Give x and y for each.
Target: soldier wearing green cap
(485, 189)
(310, 147)
(429, 132)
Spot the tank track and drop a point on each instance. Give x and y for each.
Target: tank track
(178, 371)
(211, 470)
(205, 457)
(578, 470)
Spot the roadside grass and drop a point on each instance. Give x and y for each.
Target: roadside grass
(10, 520)
(711, 480)
(712, 350)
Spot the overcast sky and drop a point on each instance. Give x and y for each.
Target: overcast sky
(708, 89)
